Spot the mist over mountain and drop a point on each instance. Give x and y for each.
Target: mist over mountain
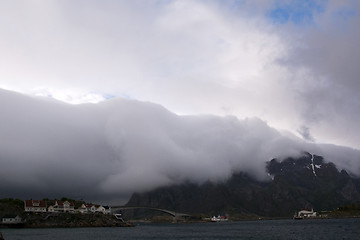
(306, 182)
(110, 150)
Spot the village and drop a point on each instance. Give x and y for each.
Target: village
(64, 206)
(53, 208)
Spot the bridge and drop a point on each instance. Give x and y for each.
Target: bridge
(175, 215)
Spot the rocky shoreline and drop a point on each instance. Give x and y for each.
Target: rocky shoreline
(70, 220)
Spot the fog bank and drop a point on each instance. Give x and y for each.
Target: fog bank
(107, 151)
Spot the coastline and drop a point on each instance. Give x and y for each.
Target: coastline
(79, 220)
(68, 220)
(132, 223)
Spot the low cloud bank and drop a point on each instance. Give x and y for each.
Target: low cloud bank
(107, 151)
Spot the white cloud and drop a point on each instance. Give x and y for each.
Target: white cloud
(193, 57)
(109, 150)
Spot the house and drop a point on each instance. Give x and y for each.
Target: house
(107, 210)
(82, 209)
(103, 209)
(11, 219)
(91, 208)
(62, 206)
(35, 206)
(100, 209)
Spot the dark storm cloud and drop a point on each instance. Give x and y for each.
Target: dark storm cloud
(109, 150)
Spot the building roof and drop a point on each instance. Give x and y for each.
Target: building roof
(35, 203)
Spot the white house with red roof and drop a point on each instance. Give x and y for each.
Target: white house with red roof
(35, 206)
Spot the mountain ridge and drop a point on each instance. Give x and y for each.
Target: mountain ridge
(295, 183)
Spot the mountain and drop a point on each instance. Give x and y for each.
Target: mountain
(294, 184)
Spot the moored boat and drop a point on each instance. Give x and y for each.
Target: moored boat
(219, 218)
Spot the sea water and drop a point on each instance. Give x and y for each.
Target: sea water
(265, 229)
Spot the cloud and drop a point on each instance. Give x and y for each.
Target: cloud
(295, 71)
(107, 151)
(246, 58)
(305, 133)
(324, 74)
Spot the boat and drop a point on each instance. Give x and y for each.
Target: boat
(219, 218)
(297, 216)
(305, 214)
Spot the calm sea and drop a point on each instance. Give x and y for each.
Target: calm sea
(267, 229)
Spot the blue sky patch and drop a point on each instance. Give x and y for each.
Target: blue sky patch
(299, 12)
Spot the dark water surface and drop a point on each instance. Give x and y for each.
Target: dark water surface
(268, 229)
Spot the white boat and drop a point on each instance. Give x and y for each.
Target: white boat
(305, 214)
(219, 218)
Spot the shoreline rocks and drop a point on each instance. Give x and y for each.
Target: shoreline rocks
(71, 220)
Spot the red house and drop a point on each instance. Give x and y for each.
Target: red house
(35, 206)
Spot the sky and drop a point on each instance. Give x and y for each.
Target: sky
(283, 74)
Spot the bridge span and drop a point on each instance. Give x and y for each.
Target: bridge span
(172, 213)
